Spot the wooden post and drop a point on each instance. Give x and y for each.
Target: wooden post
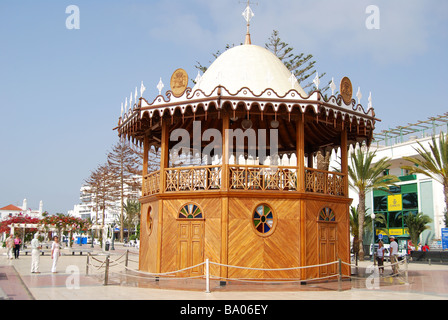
(344, 159)
(106, 271)
(164, 157)
(225, 152)
(225, 184)
(300, 152)
(127, 258)
(145, 164)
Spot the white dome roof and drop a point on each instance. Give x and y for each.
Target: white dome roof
(248, 66)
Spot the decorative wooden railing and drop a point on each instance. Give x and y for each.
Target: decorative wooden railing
(151, 183)
(246, 178)
(263, 178)
(326, 182)
(193, 178)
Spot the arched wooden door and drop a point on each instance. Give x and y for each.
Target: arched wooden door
(327, 235)
(190, 240)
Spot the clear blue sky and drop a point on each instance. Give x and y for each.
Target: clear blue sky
(61, 90)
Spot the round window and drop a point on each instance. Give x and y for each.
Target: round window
(264, 219)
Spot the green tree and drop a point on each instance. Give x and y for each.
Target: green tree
(432, 163)
(302, 65)
(354, 225)
(132, 208)
(365, 175)
(417, 223)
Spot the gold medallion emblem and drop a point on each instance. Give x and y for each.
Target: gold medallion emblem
(346, 90)
(179, 82)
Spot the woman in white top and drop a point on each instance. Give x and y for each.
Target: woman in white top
(380, 256)
(55, 253)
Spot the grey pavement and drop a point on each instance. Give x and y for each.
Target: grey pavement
(425, 282)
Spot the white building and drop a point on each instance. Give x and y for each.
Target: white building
(12, 210)
(415, 192)
(87, 208)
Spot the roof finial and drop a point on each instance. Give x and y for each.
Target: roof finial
(248, 14)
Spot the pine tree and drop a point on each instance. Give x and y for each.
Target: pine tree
(125, 164)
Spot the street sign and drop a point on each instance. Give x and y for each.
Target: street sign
(444, 238)
(380, 236)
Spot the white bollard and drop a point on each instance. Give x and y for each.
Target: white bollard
(207, 276)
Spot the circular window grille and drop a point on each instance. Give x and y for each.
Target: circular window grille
(190, 211)
(263, 219)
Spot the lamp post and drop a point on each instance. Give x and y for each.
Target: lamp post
(372, 216)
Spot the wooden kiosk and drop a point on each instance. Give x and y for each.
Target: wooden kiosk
(232, 207)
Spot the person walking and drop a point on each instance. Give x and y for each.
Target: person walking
(55, 253)
(17, 243)
(35, 254)
(9, 246)
(380, 256)
(394, 255)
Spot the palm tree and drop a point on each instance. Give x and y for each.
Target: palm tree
(417, 224)
(132, 209)
(433, 162)
(365, 175)
(354, 225)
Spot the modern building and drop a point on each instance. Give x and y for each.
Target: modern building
(415, 192)
(88, 208)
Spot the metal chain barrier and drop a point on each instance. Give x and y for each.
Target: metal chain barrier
(100, 267)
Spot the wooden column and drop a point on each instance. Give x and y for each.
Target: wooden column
(300, 152)
(164, 158)
(225, 176)
(145, 164)
(225, 152)
(344, 159)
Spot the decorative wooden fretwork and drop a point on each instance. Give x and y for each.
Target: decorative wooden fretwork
(244, 177)
(326, 182)
(151, 183)
(263, 178)
(193, 178)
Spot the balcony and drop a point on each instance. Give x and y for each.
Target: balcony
(251, 178)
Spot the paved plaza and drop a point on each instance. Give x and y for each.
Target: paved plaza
(425, 282)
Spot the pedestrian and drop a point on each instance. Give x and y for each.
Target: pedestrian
(17, 243)
(55, 253)
(394, 255)
(425, 247)
(35, 254)
(9, 246)
(380, 255)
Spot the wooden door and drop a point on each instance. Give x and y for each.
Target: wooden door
(190, 247)
(327, 248)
